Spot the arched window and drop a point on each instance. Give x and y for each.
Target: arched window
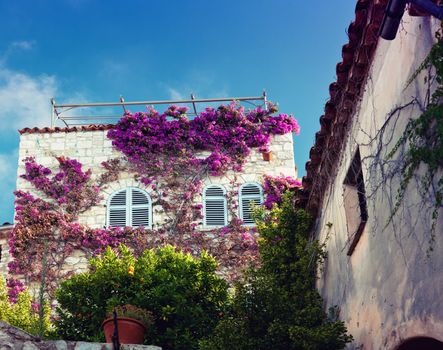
(249, 193)
(214, 206)
(130, 207)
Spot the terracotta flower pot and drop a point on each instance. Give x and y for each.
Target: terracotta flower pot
(267, 156)
(130, 331)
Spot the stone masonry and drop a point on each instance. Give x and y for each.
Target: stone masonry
(12, 338)
(91, 148)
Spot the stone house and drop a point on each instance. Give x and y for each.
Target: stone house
(384, 268)
(90, 146)
(127, 201)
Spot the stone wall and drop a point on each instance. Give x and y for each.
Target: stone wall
(4, 249)
(91, 148)
(12, 338)
(388, 289)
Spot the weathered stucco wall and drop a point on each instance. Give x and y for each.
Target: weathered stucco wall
(389, 289)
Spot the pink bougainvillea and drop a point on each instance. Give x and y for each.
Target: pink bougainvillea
(152, 141)
(275, 186)
(163, 151)
(15, 287)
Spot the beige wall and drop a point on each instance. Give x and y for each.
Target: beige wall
(388, 290)
(5, 257)
(91, 148)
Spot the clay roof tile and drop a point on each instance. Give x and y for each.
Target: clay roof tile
(351, 74)
(47, 130)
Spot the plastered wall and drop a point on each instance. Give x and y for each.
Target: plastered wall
(391, 287)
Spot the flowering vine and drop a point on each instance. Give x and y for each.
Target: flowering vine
(158, 146)
(168, 152)
(275, 186)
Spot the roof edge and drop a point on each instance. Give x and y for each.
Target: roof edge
(345, 92)
(47, 130)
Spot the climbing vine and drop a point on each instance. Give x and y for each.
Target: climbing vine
(276, 186)
(171, 155)
(423, 141)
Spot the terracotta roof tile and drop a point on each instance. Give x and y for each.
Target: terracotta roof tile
(344, 94)
(46, 130)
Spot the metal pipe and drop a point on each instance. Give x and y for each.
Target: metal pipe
(80, 117)
(52, 112)
(265, 100)
(193, 103)
(110, 104)
(429, 7)
(122, 100)
(391, 20)
(394, 13)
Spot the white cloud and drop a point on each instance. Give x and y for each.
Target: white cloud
(14, 47)
(112, 69)
(203, 84)
(175, 94)
(22, 45)
(25, 100)
(185, 93)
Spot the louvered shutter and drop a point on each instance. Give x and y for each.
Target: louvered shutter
(215, 212)
(130, 207)
(249, 193)
(140, 208)
(117, 210)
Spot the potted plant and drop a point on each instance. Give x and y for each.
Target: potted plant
(266, 153)
(132, 323)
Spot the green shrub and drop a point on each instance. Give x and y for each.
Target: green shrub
(278, 306)
(22, 314)
(183, 293)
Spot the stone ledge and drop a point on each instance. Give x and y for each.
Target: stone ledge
(12, 338)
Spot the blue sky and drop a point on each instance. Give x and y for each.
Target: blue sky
(90, 50)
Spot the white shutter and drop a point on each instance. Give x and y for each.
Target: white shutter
(139, 197)
(117, 217)
(249, 193)
(117, 210)
(215, 211)
(140, 217)
(130, 207)
(119, 199)
(140, 208)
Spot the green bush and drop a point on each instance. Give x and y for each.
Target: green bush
(21, 314)
(278, 306)
(183, 293)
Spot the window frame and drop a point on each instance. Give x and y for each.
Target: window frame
(129, 206)
(354, 185)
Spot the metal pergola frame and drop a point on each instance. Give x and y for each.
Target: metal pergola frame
(58, 111)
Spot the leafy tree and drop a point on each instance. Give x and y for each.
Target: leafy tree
(183, 293)
(278, 306)
(23, 313)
